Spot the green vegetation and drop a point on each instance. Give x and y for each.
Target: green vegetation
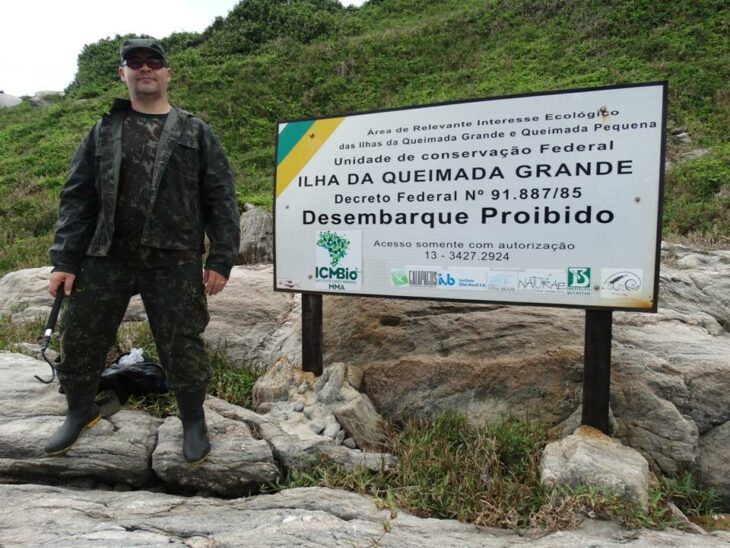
(489, 475)
(698, 195)
(14, 333)
(270, 60)
(451, 469)
(695, 501)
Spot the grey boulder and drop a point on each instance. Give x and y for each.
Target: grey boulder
(116, 449)
(238, 464)
(589, 457)
(9, 101)
(714, 460)
(257, 236)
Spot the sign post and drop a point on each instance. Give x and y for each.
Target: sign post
(597, 369)
(548, 199)
(312, 333)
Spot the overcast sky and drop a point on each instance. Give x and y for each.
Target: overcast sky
(40, 41)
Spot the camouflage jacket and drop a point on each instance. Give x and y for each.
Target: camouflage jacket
(192, 193)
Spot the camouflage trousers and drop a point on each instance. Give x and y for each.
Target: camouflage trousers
(176, 309)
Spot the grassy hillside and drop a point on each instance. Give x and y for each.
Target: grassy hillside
(269, 60)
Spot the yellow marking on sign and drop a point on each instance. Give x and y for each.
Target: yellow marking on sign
(303, 151)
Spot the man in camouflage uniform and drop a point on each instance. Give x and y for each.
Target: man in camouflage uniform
(147, 182)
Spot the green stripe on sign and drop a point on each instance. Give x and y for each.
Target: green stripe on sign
(290, 136)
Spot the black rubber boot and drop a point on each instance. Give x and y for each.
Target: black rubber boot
(82, 413)
(196, 446)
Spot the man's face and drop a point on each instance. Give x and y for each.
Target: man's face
(144, 81)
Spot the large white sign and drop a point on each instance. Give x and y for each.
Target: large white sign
(543, 199)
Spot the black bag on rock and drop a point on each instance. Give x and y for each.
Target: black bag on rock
(133, 379)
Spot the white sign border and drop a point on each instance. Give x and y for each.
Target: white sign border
(664, 84)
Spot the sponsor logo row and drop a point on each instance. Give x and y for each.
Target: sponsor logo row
(338, 267)
(577, 280)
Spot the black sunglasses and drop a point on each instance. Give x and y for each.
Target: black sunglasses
(135, 63)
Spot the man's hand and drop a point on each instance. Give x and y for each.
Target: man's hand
(213, 282)
(58, 278)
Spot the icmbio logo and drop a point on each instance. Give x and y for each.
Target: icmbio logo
(338, 260)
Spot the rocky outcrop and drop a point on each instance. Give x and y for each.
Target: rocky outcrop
(294, 443)
(238, 463)
(645, 393)
(44, 98)
(589, 457)
(254, 324)
(361, 421)
(249, 451)
(714, 460)
(670, 370)
(668, 399)
(117, 449)
(484, 389)
(319, 412)
(257, 236)
(9, 101)
(296, 452)
(42, 516)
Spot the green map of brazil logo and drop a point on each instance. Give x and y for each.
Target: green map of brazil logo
(338, 260)
(335, 244)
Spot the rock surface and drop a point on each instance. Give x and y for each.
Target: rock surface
(714, 460)
(134, 449)
(669, 400)
(328, 407)
(9, 101)
(670, 370)
(117, 449)
(253, 323)
(24, 296)
(589, 457)
(257, 236)
(299, 452)
(237, 463)
(41, 516)
(361, 421)
(44, 98)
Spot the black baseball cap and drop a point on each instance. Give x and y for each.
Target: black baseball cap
(149, 44)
